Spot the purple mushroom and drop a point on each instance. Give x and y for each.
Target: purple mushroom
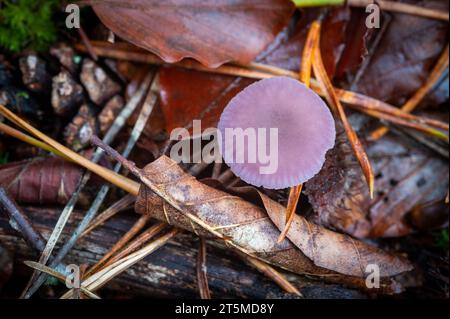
(276, 133)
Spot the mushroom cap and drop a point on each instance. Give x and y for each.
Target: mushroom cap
(306, 131)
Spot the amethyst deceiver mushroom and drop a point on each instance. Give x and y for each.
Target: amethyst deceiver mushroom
(305, 126)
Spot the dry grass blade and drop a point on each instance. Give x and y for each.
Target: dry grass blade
(151, 232)
(135, 229)
(402, 123)
(202, 277)
(54, 237)
(273, 274)
(122, 182)
(57, 275)
(29, 140)
(414, 101)
(294, 196)
(123, 203)
(365, 103)
(99, 279)
(308, 52)
(358, 149)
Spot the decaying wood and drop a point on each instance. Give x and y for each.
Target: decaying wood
(170, 271)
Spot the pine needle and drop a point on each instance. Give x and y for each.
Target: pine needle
(330, 93)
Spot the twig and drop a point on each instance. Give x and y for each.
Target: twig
(20, 222)
(120, 181)
(87, 44)
(401, 8)
(202, 277)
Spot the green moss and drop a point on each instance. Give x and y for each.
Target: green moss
(442, 239)
(27, 24)
(4, 158)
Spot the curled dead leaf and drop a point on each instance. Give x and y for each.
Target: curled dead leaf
(245, 226)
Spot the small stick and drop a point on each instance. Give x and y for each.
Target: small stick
(401, 8)
(202, 277)
(20, 222)
(87, 44)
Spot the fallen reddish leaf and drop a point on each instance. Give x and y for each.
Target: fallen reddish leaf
(212, 32)
(49, 180)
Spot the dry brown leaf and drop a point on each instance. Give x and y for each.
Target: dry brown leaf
(243, 225)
